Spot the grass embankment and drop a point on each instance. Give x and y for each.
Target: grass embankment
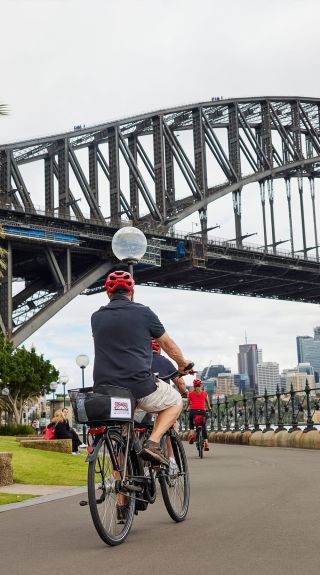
(37, 467)
(6, 498)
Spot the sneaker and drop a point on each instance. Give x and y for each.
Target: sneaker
(206, 445)
(191, 437)
(83, 445)
(173, 468)
(122, 511)
(152, 451)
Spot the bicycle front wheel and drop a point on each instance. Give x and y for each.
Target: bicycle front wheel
(175, 484)
(112, 512)
(200, 443)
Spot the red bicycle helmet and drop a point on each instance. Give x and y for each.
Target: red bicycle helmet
(156, 346)
(197, 383)
(119, 280)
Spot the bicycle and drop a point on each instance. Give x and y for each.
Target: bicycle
(120, 483)
(199, 422)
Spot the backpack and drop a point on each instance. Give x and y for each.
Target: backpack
(49, 432)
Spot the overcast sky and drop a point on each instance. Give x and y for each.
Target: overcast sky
(69, 62)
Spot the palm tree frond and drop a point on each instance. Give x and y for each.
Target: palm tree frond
(3, 110)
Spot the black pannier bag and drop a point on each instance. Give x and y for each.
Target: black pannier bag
(109, 403)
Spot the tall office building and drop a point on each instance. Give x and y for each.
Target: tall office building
(213, 371)
(226, 384)
(308, 350)
(298, 380)
(268, 377)
(300, 341)
(316, 331)
(247, 362)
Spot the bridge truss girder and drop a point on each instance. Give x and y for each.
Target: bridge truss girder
(272, 137)
(53, 275)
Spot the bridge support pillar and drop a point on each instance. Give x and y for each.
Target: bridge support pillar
(300, 187)
(93, 175)
(311, 182)
(134, 190)
(236, 197)
(263, 205)
(288, 191)
(271, 202)
(5, 178)
(113, 143)
(159, 171)
(6, 297)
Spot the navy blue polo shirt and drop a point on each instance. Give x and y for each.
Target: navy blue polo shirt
(122, 333)
(163, 367)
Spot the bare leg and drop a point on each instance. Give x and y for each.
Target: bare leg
(168, 441)
(164, 421)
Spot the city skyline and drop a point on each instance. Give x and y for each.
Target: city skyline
(299, 358)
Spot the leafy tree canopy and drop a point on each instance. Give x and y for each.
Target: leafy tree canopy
(26, 374)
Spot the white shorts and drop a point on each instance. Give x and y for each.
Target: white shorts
(163, 397)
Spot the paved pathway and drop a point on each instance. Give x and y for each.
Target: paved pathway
(254, 511)
(27, 489)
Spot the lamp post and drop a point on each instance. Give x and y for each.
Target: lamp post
(53, 387)
(64, 380)
(82, 361)
(5, 392)
(129, 245)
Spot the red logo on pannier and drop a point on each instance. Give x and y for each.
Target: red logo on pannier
(121, 406)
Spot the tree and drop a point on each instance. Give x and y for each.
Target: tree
(26, 374)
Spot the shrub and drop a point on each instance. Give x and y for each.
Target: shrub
(19, 429)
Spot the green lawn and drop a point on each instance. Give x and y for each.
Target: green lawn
(6, 498)
(44, 467)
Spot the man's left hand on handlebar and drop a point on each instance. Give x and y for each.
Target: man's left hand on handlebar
(183, 367)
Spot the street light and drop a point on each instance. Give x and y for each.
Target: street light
(53, 386)
(5, 392)
(129, 245)
(82, 361)
(64, 380)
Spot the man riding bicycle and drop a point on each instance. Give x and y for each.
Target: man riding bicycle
(122, 333)
(198, 401)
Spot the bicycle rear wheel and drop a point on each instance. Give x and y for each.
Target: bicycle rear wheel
(200, 442)
(175, 484)
(111, 520)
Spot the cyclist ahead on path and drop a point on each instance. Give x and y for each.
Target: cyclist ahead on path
(198, 400)
(122, 333)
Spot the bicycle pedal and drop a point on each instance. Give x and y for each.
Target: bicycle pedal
(83, 503)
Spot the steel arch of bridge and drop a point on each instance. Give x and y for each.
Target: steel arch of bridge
(156, 178)
(274, 137)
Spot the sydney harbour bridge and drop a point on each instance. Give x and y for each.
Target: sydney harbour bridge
(62, 197)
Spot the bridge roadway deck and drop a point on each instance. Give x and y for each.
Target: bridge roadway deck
(254, 510)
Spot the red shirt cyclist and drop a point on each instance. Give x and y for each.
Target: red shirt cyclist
(198, 401)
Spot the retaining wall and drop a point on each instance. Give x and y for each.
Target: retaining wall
(61, 445)
(296, 438)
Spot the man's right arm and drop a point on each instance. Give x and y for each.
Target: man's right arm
(173, 351)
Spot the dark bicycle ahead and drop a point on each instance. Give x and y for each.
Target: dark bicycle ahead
(120, 483)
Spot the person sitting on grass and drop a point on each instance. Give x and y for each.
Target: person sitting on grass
(63, 431)
(65, 412)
